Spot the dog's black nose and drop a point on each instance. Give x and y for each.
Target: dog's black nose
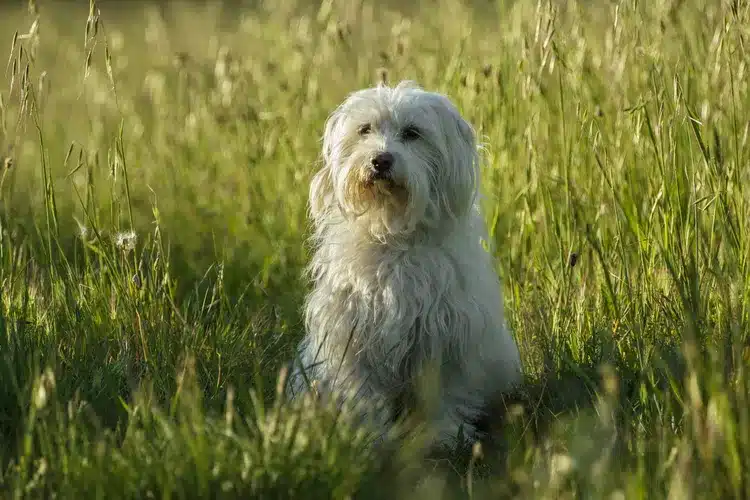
(382, 162)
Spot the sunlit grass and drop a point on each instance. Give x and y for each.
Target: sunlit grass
(155, 164)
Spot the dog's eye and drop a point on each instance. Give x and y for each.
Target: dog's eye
(364, 129)
(410, 133)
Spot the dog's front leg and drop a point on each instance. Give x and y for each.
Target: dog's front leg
(363, 394)
(457, 411)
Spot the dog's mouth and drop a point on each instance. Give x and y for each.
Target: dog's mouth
(373, 190)
(380, 179)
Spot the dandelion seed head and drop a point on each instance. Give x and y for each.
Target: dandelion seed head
(126, 240)
(83, 231)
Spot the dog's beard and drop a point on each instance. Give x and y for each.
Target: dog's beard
(382, 203)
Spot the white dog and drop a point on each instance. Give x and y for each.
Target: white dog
(401, 279)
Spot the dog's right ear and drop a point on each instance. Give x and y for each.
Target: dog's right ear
(321, 192)
(321, 187)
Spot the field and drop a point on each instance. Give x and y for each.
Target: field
(154, 166)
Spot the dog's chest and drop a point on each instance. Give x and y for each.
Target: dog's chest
(392, 292)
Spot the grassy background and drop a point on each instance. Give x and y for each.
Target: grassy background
(155, 163)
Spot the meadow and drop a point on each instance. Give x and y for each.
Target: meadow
(155, 161)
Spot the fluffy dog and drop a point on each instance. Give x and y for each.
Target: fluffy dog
(401, 280)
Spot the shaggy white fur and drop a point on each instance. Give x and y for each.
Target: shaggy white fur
(402, 281)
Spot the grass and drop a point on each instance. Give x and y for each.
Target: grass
(152, 211)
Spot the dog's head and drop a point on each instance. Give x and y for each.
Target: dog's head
(396, 158)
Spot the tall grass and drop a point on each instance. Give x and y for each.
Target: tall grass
(155, 163)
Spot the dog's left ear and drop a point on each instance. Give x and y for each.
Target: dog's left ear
(468, 140)
(461, 149)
